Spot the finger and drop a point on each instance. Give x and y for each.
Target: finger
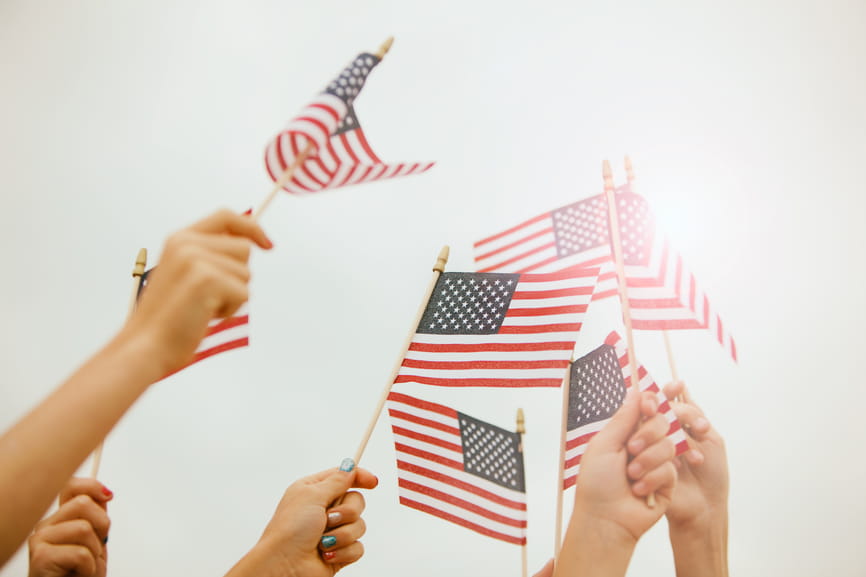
(692, 420)
(85, 486)
(649, 404)
(348, 511)
(74, 532)
(651, 458)
(237, 248)
(364, 479)
(344, 555)
(649, 432)
(333, 483)
(673, 389)
(69, 559)
(83, 508)
(226, 221)
(343, 536)
(659, 480)
(617, 431)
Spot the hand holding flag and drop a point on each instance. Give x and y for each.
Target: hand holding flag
(202, 276)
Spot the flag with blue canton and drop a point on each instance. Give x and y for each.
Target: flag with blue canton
(499, 330)
(459, 468)
(597, 386)
(325, 143)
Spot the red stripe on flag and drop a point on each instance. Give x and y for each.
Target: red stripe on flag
(462, 522)
(516, 258)
(458, 502)
(493, 347)
(468, 487)
(428, 456)
(397, 414)
(475, 382)
(553, 328)
(499, 235)
(420, 404)
(505, 247)
(480, 365)
(439, 442)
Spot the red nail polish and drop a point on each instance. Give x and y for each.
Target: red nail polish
(328, 555)
(106, 492)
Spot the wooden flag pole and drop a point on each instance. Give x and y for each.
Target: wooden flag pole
(560, 481)
(137, 272)
(630, 178)
(616, 241)
(521, 429)
(299, 160)
(438, 269)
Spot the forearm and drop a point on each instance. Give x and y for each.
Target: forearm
(701, 549)
(41, 452)
(593, 549)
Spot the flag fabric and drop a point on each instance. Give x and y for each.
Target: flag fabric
(662, 293)
(499, 330)
(459, 468)
(598, 386)
(222, 334)
(573, 235)
(338, 153)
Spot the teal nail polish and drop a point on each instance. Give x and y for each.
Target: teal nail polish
(347, 465)
(329, 541)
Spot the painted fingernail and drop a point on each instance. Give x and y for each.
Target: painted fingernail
(334, 518)
(328, 555)
(107, 492)
(105, 541)
(328, 541)
(347, 465)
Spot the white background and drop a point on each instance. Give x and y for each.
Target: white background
(121, 122)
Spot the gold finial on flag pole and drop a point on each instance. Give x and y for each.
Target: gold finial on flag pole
(384, 48)
(442, 259)
(629, 171)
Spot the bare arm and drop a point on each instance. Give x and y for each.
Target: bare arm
(203, 274)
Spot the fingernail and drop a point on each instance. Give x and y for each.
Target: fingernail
(636, 446)
(107, 492)
(328, 541)
(639, 487)
(328, 555)
(105, 541)
(702, 424)
(334, 518)
(347, 465)
(634, 470)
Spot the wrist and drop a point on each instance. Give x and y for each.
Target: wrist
(700, 547)
(595, 546)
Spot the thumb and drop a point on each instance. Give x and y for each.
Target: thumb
(338, 481)
(617, 431)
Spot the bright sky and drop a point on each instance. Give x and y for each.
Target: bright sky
(121, 122)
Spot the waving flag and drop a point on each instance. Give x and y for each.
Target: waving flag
(499, 330)
(598, 386)
(327, 139)
(662, 293)
(459, 468)
(572, 235)
(222, 334)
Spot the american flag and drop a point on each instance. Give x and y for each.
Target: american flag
(662, 293)
(499, 330)
(222, 334)
(598, 386)
(459, 468)
(339, 153)
(573, 235)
